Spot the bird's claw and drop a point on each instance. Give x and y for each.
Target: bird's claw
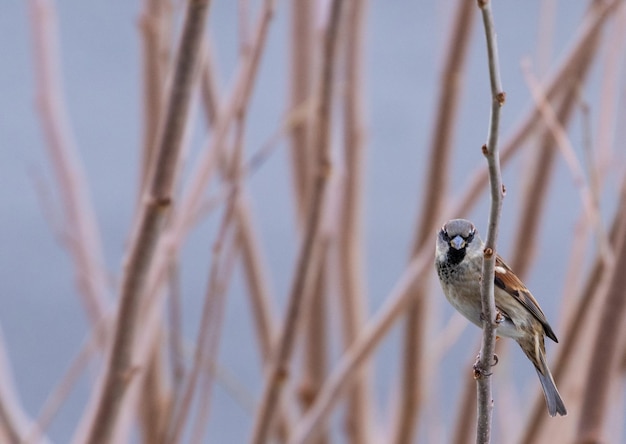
(498, 320)
(481, 372)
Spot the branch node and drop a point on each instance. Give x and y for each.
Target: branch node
(127, 375)
(501, 98)
(485, 150)
(282, 374)
(482, 3)
(488, 252)
(163, 202)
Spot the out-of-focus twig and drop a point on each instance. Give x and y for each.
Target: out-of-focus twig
(279, 367)
(154, 24)
(352, 271)
(567, 151)
(155, 209)
(543, 160)
(340, 380)
(61, 392)
(15, 425)
(553, 86)
(315, 322)
(490, 150)
(183, 219)
(211, 321)
(412, 377)
(80, 221)
(301, 91)
(252, 258)
(603, 370)
(595, 288)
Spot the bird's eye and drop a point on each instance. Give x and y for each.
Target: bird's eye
(470, 236)
(444, 235)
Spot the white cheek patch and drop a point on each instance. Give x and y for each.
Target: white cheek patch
(500, 270)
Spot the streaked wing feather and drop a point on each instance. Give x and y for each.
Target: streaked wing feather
(510, 283)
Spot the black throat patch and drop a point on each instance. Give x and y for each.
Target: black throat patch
(455, 256)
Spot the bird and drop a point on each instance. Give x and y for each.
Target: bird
(459, 260)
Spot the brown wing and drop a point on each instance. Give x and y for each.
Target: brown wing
(510, 283)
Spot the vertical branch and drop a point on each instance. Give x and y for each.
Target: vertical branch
(315, 360)
(490, 150)
(279, 368)
(155, 402)
(352, 273)
(302, 21)
(411, 386)
(154, 26)
(155, 208)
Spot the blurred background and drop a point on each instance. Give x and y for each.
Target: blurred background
(405, 44)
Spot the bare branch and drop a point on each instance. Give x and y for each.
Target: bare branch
(553, 86)
(603, 365)
(341, 379)
(155, 208)
(80, 220)
(279, 368)
(352, 271)
(485, 362)
(437, 182)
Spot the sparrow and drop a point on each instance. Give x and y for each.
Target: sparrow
(459, 260)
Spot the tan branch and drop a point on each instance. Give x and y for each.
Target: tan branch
(155, 208)
(80, 221)
(279, 368)
(490, 150)
(436, 184)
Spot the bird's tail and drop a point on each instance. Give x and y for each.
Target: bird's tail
(550, 392)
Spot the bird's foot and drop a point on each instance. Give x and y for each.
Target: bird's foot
(480, 371)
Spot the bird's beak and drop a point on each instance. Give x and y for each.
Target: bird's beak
(457, 242)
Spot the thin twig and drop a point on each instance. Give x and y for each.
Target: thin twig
(204, 405)
(567, 151)
(14, 423)
(59, 395)
(155, 209)
(252, 257)
(352, 271)
(171, 242)
(212, 313)
(490, 150)
(603, 365)
(553, 86)
(210, 324)
(592, 295)
(340, 380)
(278, 371)
(315, 359)
(412, 382)
(301, 89)
(155, 29)
(80, 220)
